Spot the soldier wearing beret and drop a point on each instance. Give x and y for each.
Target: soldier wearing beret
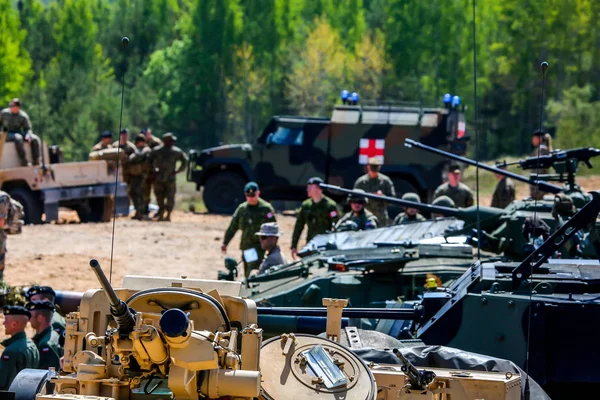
(39, 293)
(460, 193)
(248, 218)
(139, 169)
(318, 212)
(104, 143)
(45, 339)
(163, 160)
(19, 352)
(410, 214)
(377, 183)
(152, 142)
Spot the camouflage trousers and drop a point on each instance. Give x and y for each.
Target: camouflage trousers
(147, 192)
(135, 190)
(2, 258)
(19, 141)
(165, 195)
(255, 264)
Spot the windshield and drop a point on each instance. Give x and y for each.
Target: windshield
(287, 136)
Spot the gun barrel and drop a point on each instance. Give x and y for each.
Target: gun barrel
(447, 211)
(412, 314)
(411, 371)
(113, 299)
(545, 186)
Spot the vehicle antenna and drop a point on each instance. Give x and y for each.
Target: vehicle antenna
(40, 119)
(124, 43)
(544, 67)
(476, 129)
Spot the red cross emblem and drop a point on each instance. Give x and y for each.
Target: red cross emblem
(371, 148)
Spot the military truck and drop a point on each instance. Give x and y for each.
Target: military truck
(86, 187)
(291, 149)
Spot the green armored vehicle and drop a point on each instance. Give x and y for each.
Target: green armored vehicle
(290, 150)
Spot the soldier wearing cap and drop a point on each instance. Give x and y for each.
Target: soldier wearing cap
(248, 218)
(318, 212)
(17, 124)
(539, 149)
(460, 193)
(163, 160)
(139, 169)
(104, 143)
(505, 191)
(19, 352)
(377, 183)
(410, 214)
(41, 293)
(152, 142)
(359, 218)
(269, 236)
(46, 339)
(442, 201)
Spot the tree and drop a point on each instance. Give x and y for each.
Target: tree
(15, 64)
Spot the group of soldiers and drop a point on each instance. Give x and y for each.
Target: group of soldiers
(45, 349)
(319, 213)
(146, 162)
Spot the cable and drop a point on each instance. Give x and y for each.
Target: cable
(124, 43)
(476, 130)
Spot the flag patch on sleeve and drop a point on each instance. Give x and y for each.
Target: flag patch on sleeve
(333, 214)
(270, 215)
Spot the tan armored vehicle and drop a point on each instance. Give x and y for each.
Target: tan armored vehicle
(200, 340)
(86, 187)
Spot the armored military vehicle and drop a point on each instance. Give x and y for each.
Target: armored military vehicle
(290, 150)
(86, 187)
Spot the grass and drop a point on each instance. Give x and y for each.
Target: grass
(187, 194)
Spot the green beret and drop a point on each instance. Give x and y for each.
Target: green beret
(16, 310)
(40, 305)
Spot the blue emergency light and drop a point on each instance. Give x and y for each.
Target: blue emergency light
(455, 101)
(344, 95)
(447, 98)
(354, 97)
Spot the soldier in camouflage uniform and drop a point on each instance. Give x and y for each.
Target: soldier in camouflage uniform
(460, 193)
(4, 210)
(539, 149)
(163, 160)
(318, 212)
(359, 218)
(505, 191)
(139, 169)
(410, 214)
(442, 201)
(17, 124)
(152, 142)
(45, 339)
(104, 143)
(127, 149)
(19, 352)
(46, 293)
(248, 217)
(376, 182)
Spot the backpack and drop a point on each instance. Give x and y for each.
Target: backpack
(14, 220)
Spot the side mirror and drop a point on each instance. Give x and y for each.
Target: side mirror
(269, 140)
(232, 272)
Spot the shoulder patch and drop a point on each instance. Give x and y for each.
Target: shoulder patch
(333, 214)
(5, 357)
(269, 214)
(46, 349)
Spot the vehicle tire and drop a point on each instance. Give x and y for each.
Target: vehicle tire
(32, 206)
(223, 192)
(91, 210)
(401, 186)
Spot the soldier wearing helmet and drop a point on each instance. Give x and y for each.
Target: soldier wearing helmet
(359, 218)
(442, 201)
(410, 214)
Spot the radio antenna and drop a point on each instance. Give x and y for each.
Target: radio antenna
(124, 44)
(476, 130)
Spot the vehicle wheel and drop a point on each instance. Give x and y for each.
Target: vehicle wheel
(91, 210)
(28, 383)
(401, 186)
(223, 192)
(32, 206)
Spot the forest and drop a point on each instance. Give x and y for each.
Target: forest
(214, 71)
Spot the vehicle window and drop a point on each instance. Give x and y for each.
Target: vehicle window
(288, 136)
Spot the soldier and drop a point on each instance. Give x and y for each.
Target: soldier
(460, 193)
(538, 139)
(127, 149)
(41, 293)
(19, 352)
(563, 209)
(375, 182)
(269, 236)
(16, 123)
(46, 339)
(139, 169)
(504, 194)
(359, 218)
(104, 143)
(248, 217)
(410, 214)
(442, 201)
(5, 200)
(152, 142)
(319, 212)
(163, 161)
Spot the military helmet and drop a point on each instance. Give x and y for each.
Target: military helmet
(410, 196)
(563, 206)
(443, 201)
(356, 197)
